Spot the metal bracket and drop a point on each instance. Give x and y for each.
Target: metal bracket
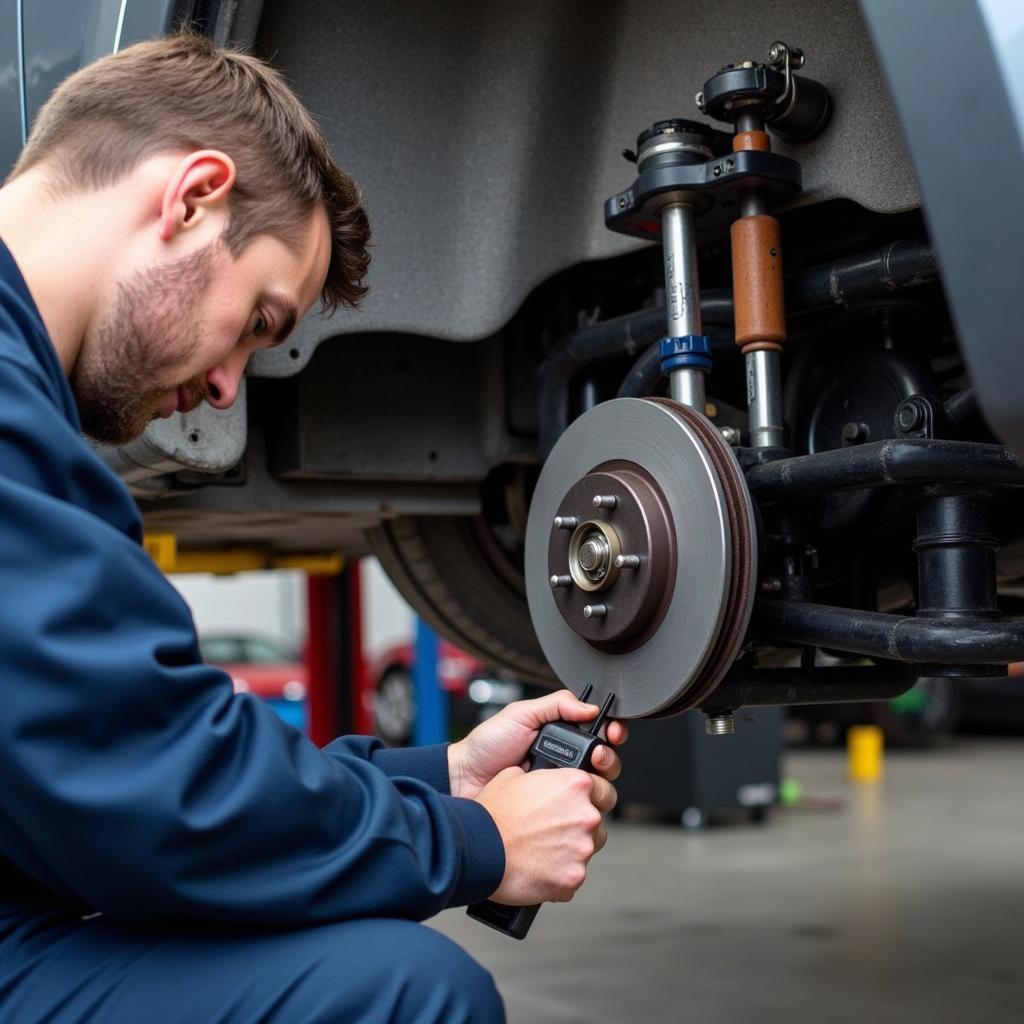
(785, 59)
(713, 188)
(206, 440)
(918, 416)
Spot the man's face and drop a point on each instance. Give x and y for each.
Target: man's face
(180, 333)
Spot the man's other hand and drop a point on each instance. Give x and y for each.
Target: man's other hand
(551, 825)
(504, 740)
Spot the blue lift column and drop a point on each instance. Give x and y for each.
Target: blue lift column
(431, 723)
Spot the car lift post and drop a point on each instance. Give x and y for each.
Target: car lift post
(431, 722)
(337, 685)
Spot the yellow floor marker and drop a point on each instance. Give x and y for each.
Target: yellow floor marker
(865, 753)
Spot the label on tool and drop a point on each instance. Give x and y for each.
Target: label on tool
(558, 750)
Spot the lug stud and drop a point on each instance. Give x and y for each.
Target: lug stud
(627, 561)
(566, 522)
(605, 500)
(595, 611)
(560, 581)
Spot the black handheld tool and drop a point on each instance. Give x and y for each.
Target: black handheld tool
(558, 745)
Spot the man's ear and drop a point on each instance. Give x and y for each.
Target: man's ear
(198, 187)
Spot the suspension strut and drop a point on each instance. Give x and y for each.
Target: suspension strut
(750, 96)
(692, 179)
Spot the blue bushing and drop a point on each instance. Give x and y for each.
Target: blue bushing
(692, 350)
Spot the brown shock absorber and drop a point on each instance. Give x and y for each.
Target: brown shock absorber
(757, 270)
(760, 311)
(757, 283)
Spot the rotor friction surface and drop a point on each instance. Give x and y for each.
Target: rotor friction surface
(655, 675)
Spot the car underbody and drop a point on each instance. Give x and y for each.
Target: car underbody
(701, 431)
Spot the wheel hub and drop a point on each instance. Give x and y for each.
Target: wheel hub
(619, 560)
(638, 574)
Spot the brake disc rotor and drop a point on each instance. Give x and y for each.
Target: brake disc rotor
(640, 556)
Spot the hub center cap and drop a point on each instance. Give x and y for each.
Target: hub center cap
(594, 556)
(593, 548)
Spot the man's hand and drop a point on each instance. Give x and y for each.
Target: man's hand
(504, 741)
(551, 825)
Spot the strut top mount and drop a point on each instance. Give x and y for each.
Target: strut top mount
(795, 107)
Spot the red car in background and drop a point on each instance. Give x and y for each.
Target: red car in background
(473, 690)
(263, 667)
(270, 670)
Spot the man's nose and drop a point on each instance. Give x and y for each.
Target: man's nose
(222, 383)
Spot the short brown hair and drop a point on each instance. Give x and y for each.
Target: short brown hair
(182, 92)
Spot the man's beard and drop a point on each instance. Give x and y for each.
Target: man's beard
(129, 366)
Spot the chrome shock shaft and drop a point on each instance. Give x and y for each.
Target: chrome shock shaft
(682, 298)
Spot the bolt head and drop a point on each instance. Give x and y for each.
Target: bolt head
(854, 433)
(908, 416)
(719, 724)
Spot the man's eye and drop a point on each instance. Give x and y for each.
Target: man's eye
(259, 325)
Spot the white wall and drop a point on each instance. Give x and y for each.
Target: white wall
(266, 603)
(274, 604)
(387, 619)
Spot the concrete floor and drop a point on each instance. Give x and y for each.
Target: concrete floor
(900, 902)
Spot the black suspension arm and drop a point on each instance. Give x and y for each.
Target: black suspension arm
(885, 463)
(770, 687)
(961, 640)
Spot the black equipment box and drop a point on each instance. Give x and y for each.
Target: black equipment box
(670, 764)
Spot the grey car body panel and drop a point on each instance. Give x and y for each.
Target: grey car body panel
(486, 136)
(207, 440)
(958, 79)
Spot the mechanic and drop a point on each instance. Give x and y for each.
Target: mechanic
(169, 850)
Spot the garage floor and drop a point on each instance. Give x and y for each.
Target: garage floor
(897, 902)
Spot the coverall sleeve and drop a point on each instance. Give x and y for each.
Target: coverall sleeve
(429, 764)
(135, 782)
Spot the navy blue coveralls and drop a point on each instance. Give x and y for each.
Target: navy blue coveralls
(169, 850)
